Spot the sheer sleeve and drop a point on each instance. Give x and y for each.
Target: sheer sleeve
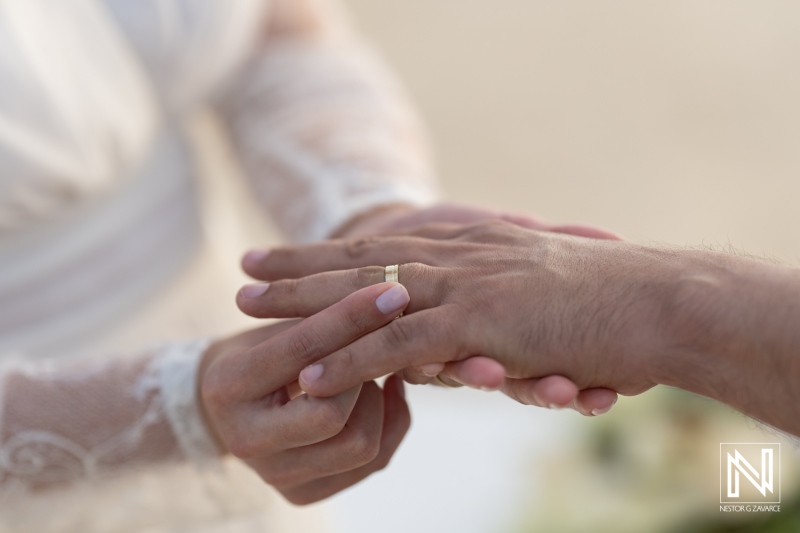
(321, 128)
(61, 423)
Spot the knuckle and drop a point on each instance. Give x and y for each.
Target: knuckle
(413, 272)
(347, 359)
(303, 346)
(366, 276)
(278, 477)
(363, 446)
(329, 419)
(381, 462)
(244, 446)
(299, 497)
(283, 297)
(398, 334)
(358, 247)
(357, 322)
(419, 277)
(486, 230)
(289, 288)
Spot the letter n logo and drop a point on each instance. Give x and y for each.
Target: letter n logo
(750, 472)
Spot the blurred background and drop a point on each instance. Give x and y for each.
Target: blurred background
(672, 123)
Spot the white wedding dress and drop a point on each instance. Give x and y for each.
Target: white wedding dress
(99, 218)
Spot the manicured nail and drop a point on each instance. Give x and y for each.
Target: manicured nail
(253, 257)
(254, 290)
(393, 300)
(598, 412)
(312, 373)
(604, 410)
(431, 370)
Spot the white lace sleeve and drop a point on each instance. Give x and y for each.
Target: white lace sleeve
(323, 131)
(63, 423)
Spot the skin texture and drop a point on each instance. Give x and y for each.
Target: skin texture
(310, 448)
(601, 313)
(481, 372)
(306, 447)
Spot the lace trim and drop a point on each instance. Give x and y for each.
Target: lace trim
(175, 372)
(39, 457)
(126, 412)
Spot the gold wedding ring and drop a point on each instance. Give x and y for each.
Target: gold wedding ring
(391, 273)
(443, 383)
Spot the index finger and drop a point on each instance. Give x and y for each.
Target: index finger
(279, 360)
(429, 336)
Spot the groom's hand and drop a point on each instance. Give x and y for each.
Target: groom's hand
(339, 255)
(482, 372)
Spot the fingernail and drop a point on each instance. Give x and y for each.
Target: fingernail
(392, 300)
(312, 373)
(401, 389)
(488, 389)
(554, 407)
(432, 369)
(598, 412)
(254, 290)
(254, 257)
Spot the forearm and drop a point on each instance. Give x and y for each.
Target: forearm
(602, 313)
(64, 422)
(735, 334)
(323, 131)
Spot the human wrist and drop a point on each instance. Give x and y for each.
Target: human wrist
(634, 290)
(206, 360)
(738, 338)
(703, 320)
(176, 368)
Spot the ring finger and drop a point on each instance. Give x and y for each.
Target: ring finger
(304, 297)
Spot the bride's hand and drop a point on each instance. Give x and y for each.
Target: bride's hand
(307, 447)
(540, 303)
